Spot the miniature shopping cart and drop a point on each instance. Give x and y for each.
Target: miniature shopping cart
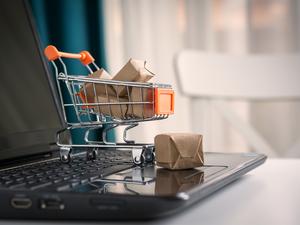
(154, 102)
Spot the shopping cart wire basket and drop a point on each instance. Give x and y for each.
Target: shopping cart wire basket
(94, 110)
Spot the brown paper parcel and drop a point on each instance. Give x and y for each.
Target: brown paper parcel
(171, 182)
(117, 111)
(141, 110)
(88, 90)
(179, 150)
(135, 71)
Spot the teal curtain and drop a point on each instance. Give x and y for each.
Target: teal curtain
(72, 26)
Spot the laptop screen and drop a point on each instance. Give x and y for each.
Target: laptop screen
(29, 117)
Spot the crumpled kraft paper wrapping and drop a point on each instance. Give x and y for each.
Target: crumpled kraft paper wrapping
(141, 110)
(134, 70)
(117, 111)
(87, 91)
(177, 151)
(171, 182)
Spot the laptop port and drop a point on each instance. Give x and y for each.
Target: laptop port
(52, 203)
(21, 202)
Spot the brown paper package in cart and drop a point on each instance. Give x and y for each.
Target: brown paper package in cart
(177, 151)
(87, 92)
(117, 111)
(145, 110)
(171, 182)
(135, 71)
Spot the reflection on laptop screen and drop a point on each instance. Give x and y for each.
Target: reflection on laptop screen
(27, 105)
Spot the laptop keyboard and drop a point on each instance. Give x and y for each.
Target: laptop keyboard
(58, 176)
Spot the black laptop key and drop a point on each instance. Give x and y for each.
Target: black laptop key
(67, 177)
(35, 171)
(52, 176)
(49, 172)
(25, 173)
(29, 177)
(31, 182)
(42, 179)
(17, 185)
(76, 175)
(64, 187)
(8, 182)
(41, 185)
(6, 178)
(20, 179)
(84, 181)
(17, 175)
(56, 181)
(92, 170)
(92, 178)
(74, 182)
(40, 174)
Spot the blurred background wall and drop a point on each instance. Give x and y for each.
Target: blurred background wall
(156, 30)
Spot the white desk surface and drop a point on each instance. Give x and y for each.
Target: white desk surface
(269, 194)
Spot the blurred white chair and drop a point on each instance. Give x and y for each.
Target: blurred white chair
(219, 77)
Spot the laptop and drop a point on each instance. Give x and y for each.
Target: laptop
(35, 184)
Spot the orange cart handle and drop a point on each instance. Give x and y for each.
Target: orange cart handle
(52, 53)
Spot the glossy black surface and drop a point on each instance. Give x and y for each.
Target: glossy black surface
(134, 194)
(156, 181)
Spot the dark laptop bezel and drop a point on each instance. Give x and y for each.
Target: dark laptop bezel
(50, 77)
(25, 138)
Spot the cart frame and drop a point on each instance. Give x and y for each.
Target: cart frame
(90, 116)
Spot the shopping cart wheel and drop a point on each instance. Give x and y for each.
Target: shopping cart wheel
(139, 160)
(91, 155)
(65, 154)
(148, 154)
(66, 158)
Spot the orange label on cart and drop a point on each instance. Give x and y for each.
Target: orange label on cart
(164, 101)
